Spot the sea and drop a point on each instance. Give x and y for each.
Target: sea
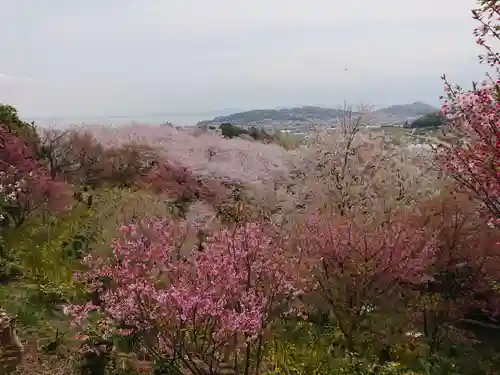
(60, 122)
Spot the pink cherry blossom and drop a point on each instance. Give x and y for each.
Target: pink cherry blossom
(224, 295)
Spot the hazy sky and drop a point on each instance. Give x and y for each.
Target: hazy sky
(129, 57)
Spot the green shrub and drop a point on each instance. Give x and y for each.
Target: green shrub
(231, 131)
(288, 141)
(44, 249)
(431, 120)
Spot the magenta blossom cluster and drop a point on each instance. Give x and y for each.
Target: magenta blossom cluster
(25, 185)
(475, 161)
(234, 287)
(474, 115)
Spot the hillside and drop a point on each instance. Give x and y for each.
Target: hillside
(306, 113)
(412, 110)
(301, 117)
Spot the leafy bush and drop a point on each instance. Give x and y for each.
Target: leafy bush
(231, 131)
(432, 120)
(288, 141)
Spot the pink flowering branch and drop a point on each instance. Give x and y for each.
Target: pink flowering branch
(473, 157)
(488, 15)
(474, 161)
(201, 308)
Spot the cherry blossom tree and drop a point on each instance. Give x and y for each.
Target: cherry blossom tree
(466, 259)
(182, 184)
(360, 267)
(355, 191)
(25, 186)
(196, 310)
(472, 155)
(352, 169)
(203, 154)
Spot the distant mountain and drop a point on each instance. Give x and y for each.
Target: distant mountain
(302, 117)
(412, 110)
(256, 116)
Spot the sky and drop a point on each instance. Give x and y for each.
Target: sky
(131, 57)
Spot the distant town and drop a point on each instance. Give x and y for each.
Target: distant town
(299, 120)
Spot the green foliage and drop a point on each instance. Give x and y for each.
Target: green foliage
(38, 322)
(112, 207)
(458, 360)
(46, 248)
(9, 267)
(95, 356)
(259, 134)
(431, 120)
(300, 348)
(288, 141)
(231, 131)
(303, 348)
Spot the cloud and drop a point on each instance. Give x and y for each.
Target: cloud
(14, 79)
